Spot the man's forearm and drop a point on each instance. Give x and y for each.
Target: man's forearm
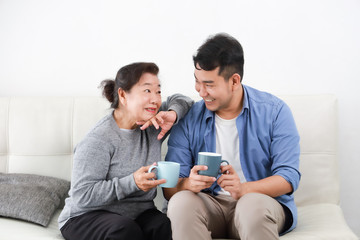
(273, 186)
(169, 192)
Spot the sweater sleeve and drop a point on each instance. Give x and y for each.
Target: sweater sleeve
(179, 103)
(90, 186)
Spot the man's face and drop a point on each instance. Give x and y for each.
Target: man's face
(213, 88)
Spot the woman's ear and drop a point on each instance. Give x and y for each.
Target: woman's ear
(122, 96)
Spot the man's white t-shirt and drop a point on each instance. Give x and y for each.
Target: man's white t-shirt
(227, 144)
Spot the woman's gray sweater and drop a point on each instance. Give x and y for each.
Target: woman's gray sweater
(104, 163)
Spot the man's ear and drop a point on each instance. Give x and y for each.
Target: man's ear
(235, 81)
(122, 96)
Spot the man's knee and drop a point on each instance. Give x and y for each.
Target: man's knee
(254, 212)
(182, 199)
(253, 202)
(184, 205)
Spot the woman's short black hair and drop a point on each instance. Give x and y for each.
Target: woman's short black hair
(223, 51)
(125, 79)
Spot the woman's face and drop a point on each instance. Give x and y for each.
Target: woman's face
(144, 98)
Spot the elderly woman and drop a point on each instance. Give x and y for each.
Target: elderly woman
(111, 195)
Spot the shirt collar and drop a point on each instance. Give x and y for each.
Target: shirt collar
(246, 100)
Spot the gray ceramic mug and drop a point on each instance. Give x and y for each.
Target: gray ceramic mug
(212, 161)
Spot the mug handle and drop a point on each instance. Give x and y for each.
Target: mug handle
(152, 168)
(227, 163)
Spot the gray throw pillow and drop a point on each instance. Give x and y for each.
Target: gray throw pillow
(31, 197)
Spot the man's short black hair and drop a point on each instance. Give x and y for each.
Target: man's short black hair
(223, 51)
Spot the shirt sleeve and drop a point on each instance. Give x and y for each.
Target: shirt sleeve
(178, 148)
(285, 147)
(90, 186)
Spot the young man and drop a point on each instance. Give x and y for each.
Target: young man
(255, 132)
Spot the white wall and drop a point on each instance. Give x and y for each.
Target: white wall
(67, 47)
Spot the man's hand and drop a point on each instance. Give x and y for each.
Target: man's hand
(196, 182)
(272, 186)
(164, 119)
(144, 180)
(230, 182)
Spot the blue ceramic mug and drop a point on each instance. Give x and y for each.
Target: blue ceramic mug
(212, 161)
(167, 170)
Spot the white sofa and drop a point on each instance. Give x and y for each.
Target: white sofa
(38, 135)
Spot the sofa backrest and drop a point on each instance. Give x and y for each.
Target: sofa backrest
(38, 136)
(316, 120)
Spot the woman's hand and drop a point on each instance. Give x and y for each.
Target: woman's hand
(144, 180)
(163, 119)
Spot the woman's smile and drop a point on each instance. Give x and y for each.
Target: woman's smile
(152, 110)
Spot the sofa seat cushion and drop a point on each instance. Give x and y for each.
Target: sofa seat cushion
(320, 221)
(12, 229)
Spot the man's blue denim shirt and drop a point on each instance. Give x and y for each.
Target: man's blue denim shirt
(268, 138)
